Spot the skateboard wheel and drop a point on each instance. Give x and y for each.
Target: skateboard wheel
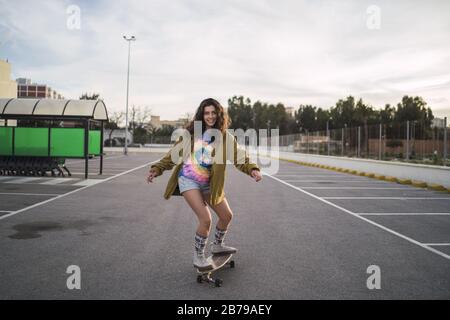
(199, 279)
(218, 283)
(232, 264)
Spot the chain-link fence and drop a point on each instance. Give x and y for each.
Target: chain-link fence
(410, 141)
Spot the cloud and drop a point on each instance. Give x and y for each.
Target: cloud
(294, 52)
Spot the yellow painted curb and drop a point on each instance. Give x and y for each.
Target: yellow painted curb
(436, 187)
(391, 179)
(404, 181)
(419, 184)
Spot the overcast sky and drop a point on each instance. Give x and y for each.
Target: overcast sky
(290, 51)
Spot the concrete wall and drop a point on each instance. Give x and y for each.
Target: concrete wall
(429, 174)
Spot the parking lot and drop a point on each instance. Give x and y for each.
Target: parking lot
(302, 233)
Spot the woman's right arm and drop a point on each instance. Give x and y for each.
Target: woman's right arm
(165, 163)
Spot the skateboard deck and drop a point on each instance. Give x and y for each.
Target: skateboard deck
(217, 261)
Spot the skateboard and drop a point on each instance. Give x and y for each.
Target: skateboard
(218, 261)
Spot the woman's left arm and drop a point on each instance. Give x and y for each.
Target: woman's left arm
(242, 162)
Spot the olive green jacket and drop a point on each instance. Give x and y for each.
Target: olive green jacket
(217, 179)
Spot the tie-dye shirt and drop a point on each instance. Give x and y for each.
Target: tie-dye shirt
(199, 170)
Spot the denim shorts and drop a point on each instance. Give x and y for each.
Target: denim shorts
(185, 184)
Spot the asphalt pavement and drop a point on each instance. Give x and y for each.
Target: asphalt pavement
(303, 233)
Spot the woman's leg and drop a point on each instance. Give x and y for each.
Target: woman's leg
(195, 200)
(225, 216)
(223, 212)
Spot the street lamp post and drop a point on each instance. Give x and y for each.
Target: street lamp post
(328, 139)
(129, 39)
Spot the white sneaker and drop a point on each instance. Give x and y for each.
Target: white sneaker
(202, 263)
(221, 248)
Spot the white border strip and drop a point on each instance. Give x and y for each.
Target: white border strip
(313, 175)
(29, 194)
(366, 188)
(404, 214)
(384, 198)
(74, 191)
(446, 256)
(361, 181)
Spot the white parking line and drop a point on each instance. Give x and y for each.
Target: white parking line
(74, 191)
(91, 169)
(311, 175)
(384, 198)
(29, 194)
(364, 188)
(88, 182)
(39, 180)
(446, 256)
(360, 180)
(94, 159)
(404, 214)
(53, 181)
(5, 211)
(91, 173)
(21, 180)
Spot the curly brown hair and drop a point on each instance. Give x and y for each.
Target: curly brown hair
(222, 122)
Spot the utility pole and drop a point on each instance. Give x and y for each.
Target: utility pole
(129, 39)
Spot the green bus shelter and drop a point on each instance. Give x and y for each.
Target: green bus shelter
(53, 128)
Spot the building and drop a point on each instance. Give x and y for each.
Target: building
(438, 123)
(156, 122)
(27, 89)
(8, 87)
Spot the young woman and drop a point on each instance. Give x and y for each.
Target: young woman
(201, 181)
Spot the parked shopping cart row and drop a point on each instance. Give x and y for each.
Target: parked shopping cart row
(33, 166)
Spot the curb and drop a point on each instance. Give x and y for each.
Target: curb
(436, 187)
(419, 184)
(404, 181)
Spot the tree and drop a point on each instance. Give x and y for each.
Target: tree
(387, 114)
(306, 116)
(240, 113)
(113, 124)
(260, 115)
(413, 109)
(322, 117)
(87, 96)
(342, 113)
(139, 118)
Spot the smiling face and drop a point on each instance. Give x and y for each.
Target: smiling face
(210, 116)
